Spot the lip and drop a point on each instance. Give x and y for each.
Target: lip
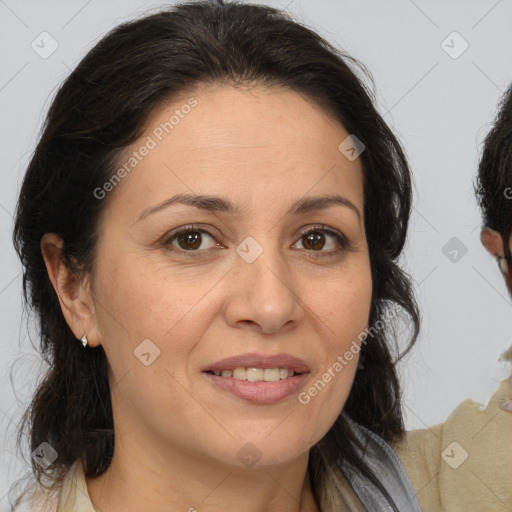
(260, 392)
(253, 360)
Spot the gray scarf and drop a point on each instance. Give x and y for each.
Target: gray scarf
(384, 462)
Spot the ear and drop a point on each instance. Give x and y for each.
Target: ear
(73, 291)
(493, 242)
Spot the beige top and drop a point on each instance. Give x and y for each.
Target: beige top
(465, 463)
(71, 497)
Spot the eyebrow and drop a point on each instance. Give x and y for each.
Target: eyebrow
(221, 205)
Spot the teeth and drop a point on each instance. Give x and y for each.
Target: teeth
(271, 374)
(257, 374)
(254, 374)
(283, 373)
(239, 373)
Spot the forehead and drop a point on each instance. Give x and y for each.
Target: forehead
(243, 118)
(246, 143)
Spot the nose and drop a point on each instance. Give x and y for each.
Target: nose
(264, 294)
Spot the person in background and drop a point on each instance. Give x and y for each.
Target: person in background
(465, 463)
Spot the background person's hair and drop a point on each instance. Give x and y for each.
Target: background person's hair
(102, 107)
(493, 184)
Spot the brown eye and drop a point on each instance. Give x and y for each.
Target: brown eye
(191, 240)
(316, 239)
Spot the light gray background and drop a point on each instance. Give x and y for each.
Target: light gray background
(439, 106)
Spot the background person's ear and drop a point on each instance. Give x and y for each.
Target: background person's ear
(493, 242)
(73, 291)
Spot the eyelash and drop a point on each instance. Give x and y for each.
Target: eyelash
(343, 242)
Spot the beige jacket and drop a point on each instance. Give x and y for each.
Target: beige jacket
(465, 463)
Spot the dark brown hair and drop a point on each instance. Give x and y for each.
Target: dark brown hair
(102, 107)
(493, 185)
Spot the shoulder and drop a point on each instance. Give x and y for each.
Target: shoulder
(465, 462)
(70, 496)
(36, 499)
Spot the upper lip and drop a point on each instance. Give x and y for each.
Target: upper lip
(259, 361)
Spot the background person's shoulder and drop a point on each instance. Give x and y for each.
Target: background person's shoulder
(419, 451)
(466, 462)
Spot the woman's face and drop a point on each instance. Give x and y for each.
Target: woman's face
(245, 282)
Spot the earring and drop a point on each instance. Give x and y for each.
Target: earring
(502, 263)
(84, 340)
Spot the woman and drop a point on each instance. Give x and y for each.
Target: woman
(209, 229)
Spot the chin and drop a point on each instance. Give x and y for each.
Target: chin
(264, 452)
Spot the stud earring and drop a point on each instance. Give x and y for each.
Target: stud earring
(84, 340)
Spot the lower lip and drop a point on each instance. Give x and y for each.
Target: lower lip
(260, 392)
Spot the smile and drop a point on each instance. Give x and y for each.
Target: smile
(258, 391)
(257, 374)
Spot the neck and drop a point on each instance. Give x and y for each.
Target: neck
(143, 477)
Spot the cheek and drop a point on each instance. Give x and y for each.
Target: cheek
(342, 311)
(144, 299)
(148, 332)
(137, 300)
(344, 307)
